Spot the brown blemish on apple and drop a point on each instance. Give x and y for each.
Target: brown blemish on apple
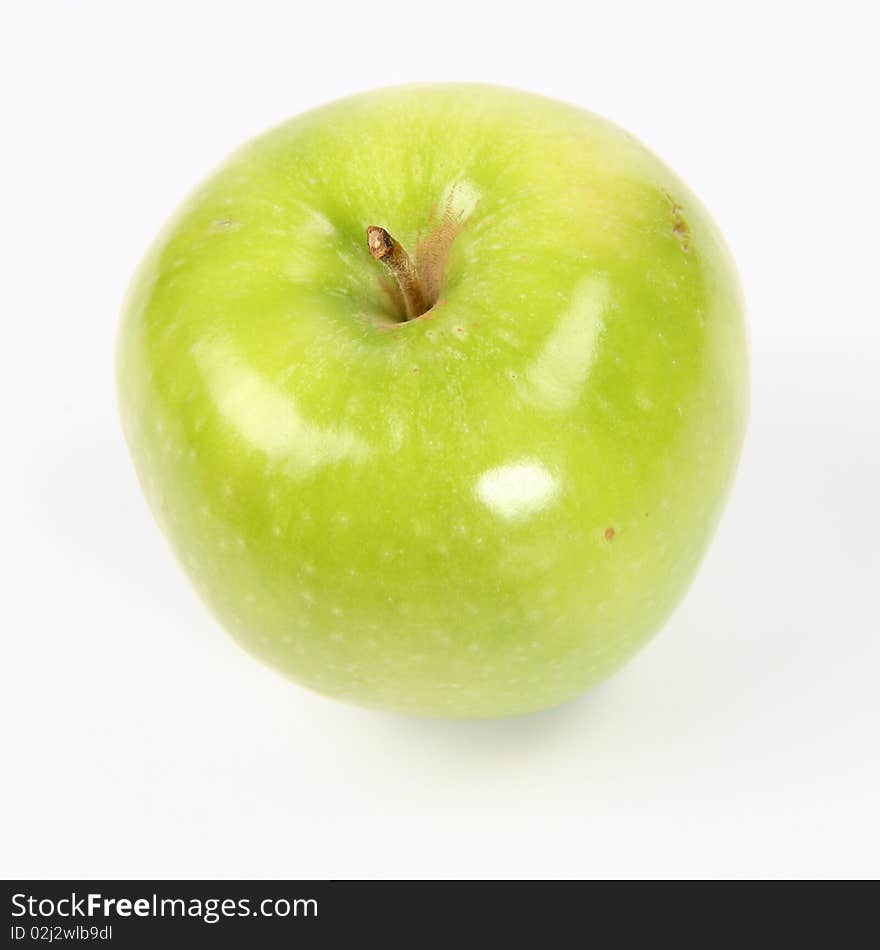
(679, 226)
(609, 534)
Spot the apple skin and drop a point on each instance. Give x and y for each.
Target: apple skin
(480, 512)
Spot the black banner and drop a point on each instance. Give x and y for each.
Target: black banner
(121, 914)
(258, 914)
(262, 914)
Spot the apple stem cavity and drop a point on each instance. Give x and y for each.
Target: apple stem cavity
(384, 248)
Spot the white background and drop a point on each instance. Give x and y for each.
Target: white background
(139, 741)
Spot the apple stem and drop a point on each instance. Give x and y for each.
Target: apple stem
(384, 248)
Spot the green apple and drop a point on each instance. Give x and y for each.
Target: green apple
(464, 464)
